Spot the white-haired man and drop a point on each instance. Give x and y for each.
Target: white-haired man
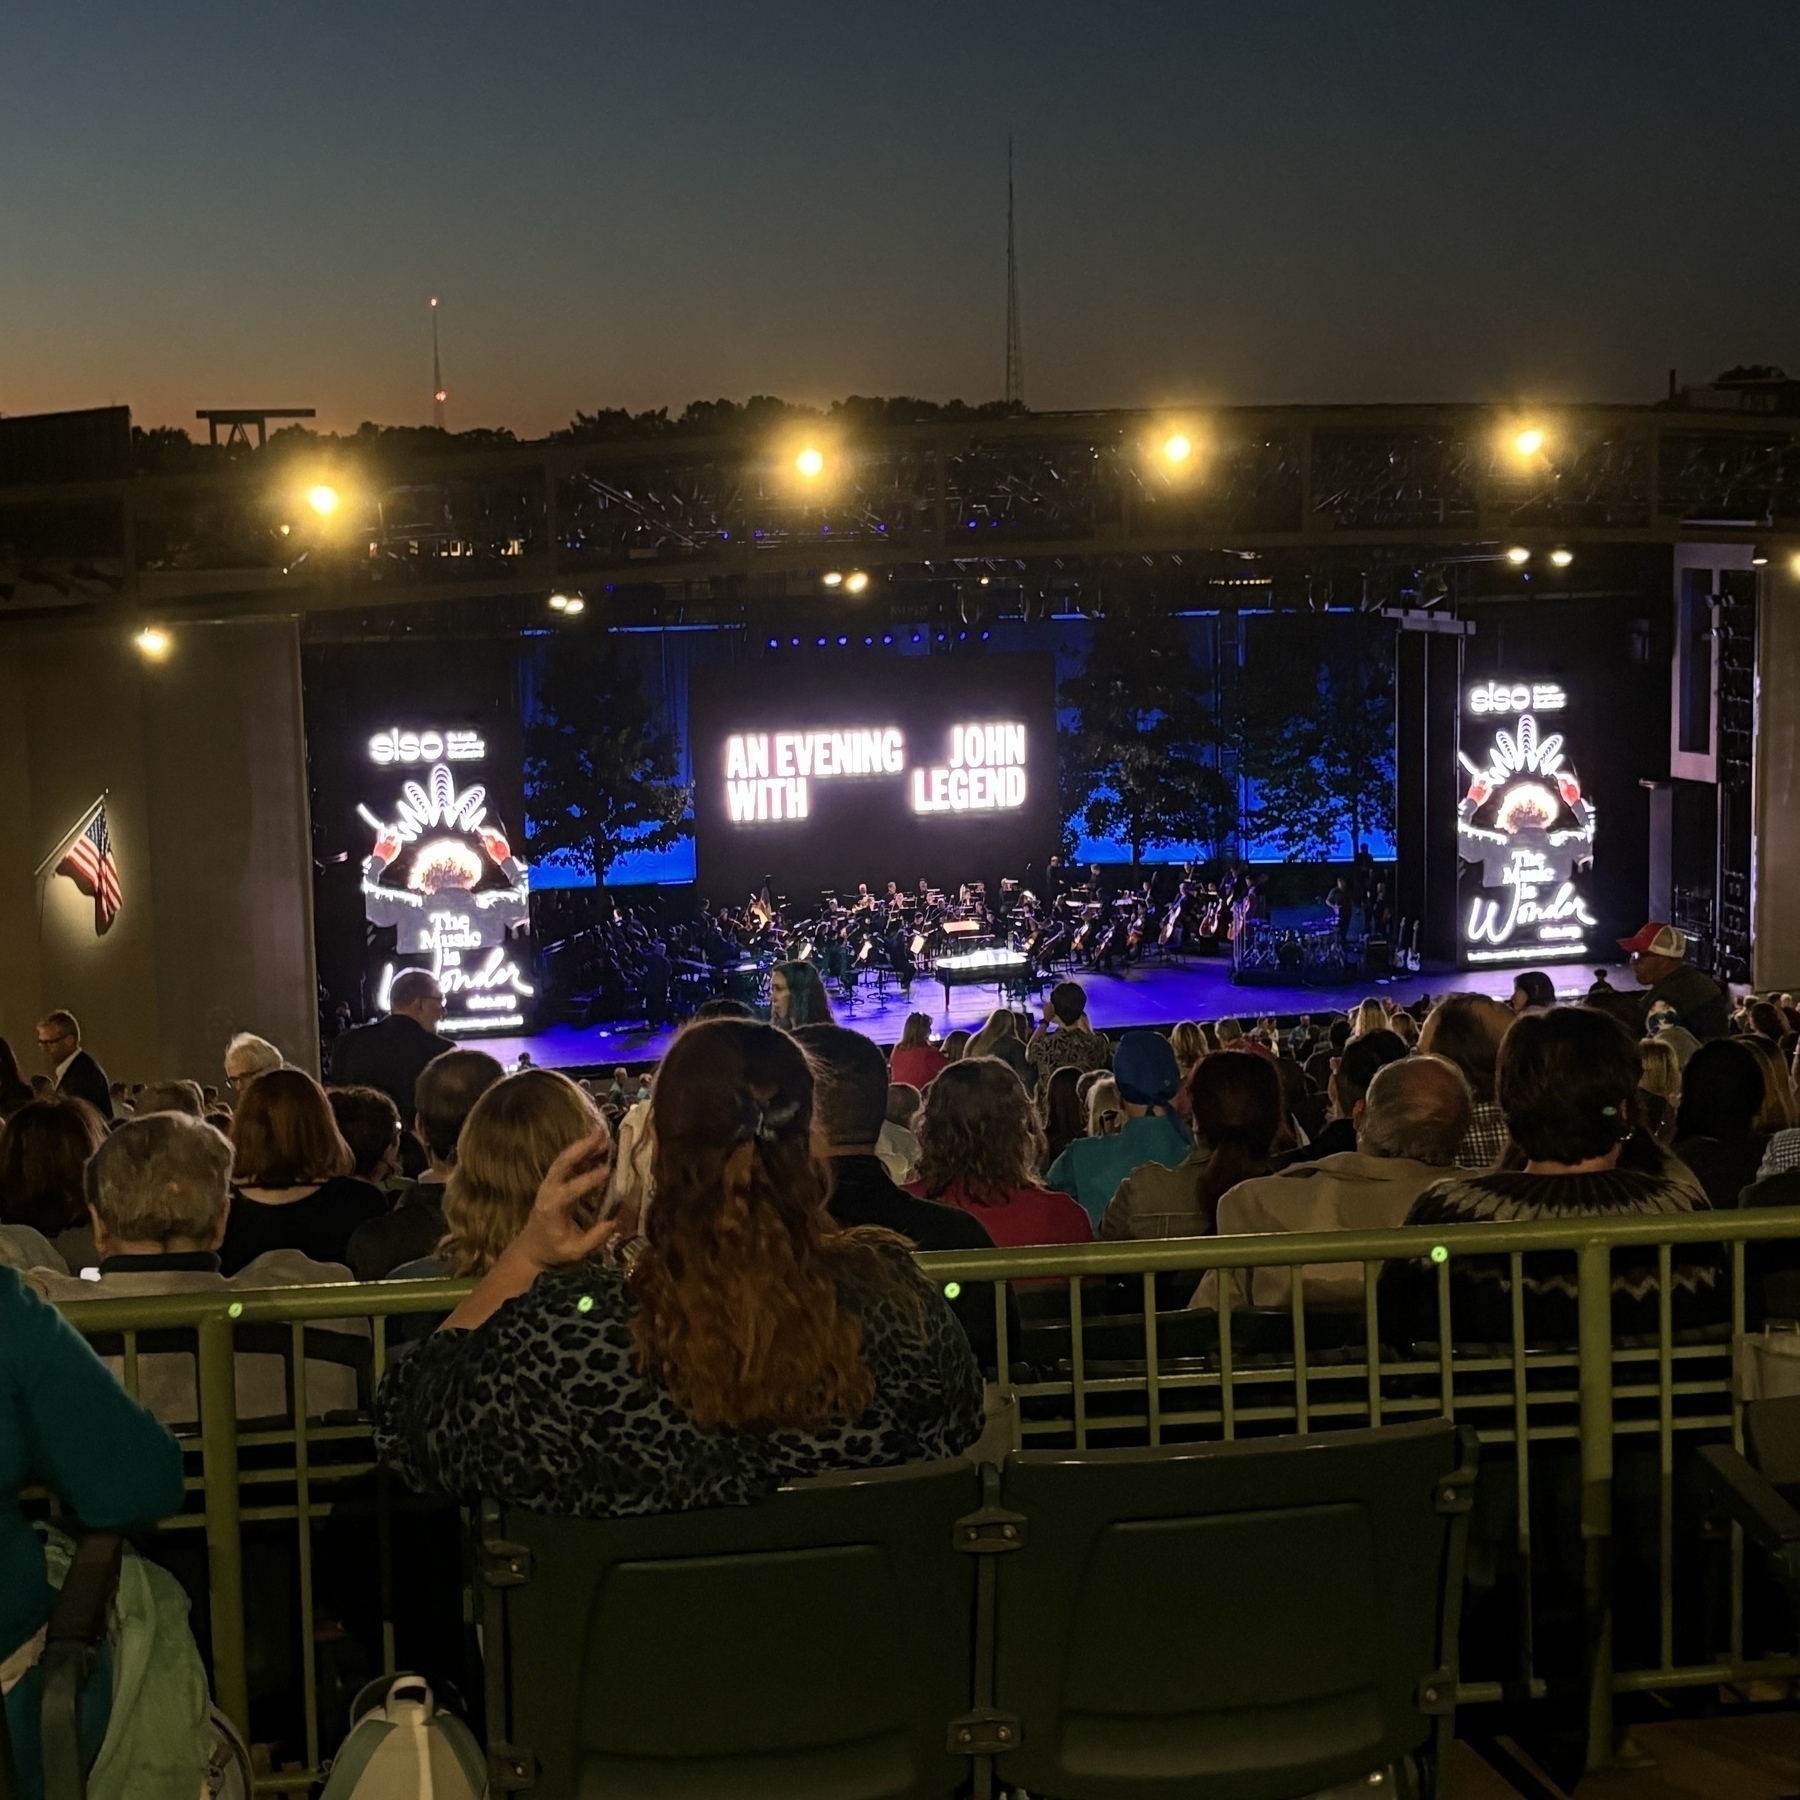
(1409, 1127)
(248, 1056)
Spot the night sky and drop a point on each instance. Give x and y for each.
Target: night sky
(637, 206)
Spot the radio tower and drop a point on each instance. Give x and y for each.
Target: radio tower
(439, 393)
(1015, 351)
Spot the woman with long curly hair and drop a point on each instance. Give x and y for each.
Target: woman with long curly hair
(745, 1340)
(980, 1148)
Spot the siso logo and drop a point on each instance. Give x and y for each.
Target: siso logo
(397, 746)
(1517, 697)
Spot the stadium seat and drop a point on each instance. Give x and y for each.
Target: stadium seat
(1761, 1492)
(818, 1643)
(1239, 1621)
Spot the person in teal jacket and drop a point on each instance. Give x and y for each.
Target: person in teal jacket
(67, 1425)
(1091, 1169)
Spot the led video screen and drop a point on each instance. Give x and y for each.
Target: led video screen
(811, 776)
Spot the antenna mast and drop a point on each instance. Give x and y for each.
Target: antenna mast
(439, 393)
(1015, 351)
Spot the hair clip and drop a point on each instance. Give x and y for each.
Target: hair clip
(762, 1122)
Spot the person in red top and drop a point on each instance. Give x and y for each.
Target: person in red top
(916, 1061)
(980, 1148)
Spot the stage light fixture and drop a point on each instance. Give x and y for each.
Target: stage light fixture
(1561, 556)
(1518, 556)
(810, 462)
(1759, 557)
(856, 582)
(323, 499)
(559, 602)
(834, 578)
(1179, 447)
(152, 643)
(1529, 442)
(1794, 565)
(575, 604)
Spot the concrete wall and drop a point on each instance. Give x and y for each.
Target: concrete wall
(203, 757)
(1775, 905)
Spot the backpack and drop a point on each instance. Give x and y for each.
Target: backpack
(401, 1747)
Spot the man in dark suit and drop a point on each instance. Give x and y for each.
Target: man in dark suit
(72, 1069)
(392, 1053)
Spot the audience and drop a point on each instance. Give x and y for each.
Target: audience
(1370, 1015)
(67, 1426)
(1467, 1029)
(956, 1046)
(1777, 1112)
(1532, 988)
(797, 996)
(1568, 1087)
(980, 1148)
(43, 1149)
(1723, 1092)
(1147, 1077)
(72, 1070)
(1065, 1117)
(997, 1038)
(1348, 1082)
(15, 1090)
(370, 1124)
(448, 1086)
(916, 1061)
(248, 1056)
(1409, 1126)
(747, 1341)
(391, 1054)
(1065, 1038)
(1659, 1090)
(170, 1096)
(1188, 1041)
(514, 1132)
(158, 1190)
(1235, 1103)
(1100, 1095)
(291, 1183)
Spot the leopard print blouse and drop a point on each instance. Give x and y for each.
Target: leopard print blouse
(544, 1405)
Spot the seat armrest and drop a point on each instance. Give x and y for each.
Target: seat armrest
(1748, 1497)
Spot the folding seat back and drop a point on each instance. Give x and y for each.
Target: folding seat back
(815, 1644)
(1253, 1620)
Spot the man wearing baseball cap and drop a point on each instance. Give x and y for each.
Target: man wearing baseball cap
(1659, 960)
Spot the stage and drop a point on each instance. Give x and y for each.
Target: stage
(1150, 993)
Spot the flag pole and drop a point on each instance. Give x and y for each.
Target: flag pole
(69, 837)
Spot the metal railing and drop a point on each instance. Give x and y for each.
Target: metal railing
(1084, 1373)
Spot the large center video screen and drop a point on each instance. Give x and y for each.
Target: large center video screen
(824, 775)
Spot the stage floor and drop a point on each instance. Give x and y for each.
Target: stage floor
(1155, 993)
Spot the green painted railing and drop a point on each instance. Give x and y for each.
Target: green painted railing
(1674, 1389)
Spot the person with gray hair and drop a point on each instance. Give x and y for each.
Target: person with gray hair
(159, 1192)
(1409, 1125)
(248, 1056)
(169, 1096)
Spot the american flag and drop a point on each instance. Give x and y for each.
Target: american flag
(89, 863)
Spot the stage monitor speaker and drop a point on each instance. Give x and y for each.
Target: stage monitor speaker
(1377, 956)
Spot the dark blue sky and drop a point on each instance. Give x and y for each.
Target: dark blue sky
(251, 203)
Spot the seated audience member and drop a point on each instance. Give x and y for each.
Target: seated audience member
(622, 1090)
(996, 1038)
(1532, 988)
(65, 1425)
(1323, 1060)
(15, 1090)
(1065, 1039)
(1659, 1094)
(43, 1150)
(903, 1103)
(391, 1053)
(1230, 1033)
(1306, 1113)
(1568, 1083)
(1147, 1076)
(23, 1248)
(448, 1086)
(956, 1046)
(514, 1132)
(291, 1183)
(1065, 1117)
(748, 1341)
(796, 997)
(1188, 1041)
(1467, 1029)
(1778, 1111)
(1370, 1015)
(248, 1056)
(1349, 1081)
(170, 1096)
(1235, 1103)
(980, 1148)
(1405, 1027)
(1722, 1093)
(916, 1060)
(371, 1127)
(1409, 1126)
(896, 1145)
(1100, 1096)
(159, 1189)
